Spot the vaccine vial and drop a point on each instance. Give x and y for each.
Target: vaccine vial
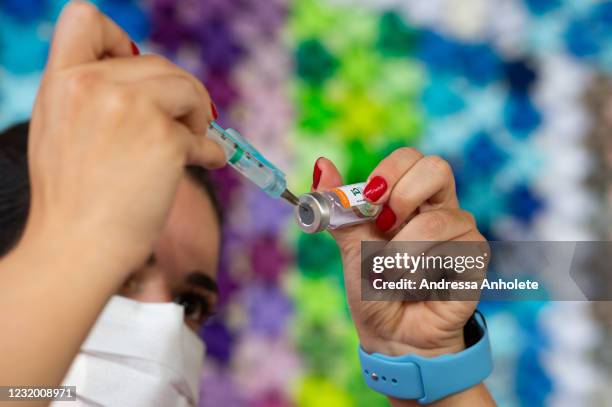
(336, 208)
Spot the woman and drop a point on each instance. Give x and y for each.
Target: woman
(112, 211)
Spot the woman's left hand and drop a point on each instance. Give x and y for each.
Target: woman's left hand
(420, 204)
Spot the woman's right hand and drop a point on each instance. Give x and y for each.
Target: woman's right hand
(109, 139)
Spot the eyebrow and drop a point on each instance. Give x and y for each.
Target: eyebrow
(202, 280)
(195, 277)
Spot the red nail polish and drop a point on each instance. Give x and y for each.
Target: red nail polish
(213, 109)
(375, 188)
(316, 174)
(135, 49)
(386, 219)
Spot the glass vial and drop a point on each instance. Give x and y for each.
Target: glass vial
(339, 207)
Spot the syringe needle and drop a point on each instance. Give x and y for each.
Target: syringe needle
(289, 197)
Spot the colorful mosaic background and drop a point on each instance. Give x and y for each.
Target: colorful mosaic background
(512, 92)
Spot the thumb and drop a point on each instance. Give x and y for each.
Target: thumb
(325, 175)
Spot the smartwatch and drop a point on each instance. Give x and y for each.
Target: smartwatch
(426, 380)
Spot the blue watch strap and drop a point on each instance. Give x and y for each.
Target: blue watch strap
(428, 379)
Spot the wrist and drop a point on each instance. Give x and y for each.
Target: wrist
(431, 379)
(474, 396)
(451, 343)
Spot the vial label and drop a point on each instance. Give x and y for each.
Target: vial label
(335, 208)
(350, 195)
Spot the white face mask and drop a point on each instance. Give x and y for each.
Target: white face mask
(138, 354)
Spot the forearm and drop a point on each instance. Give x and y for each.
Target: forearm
(51, 291)
(477, 396)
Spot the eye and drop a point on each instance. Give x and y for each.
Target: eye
(196, 307)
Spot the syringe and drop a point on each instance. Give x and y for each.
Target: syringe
(241, 155)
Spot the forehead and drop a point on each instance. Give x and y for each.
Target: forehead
(190, 239)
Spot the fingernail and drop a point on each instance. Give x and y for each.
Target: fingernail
(375, 188)
(386, 218)
(213, 110)
(316, 174)
(135, 49)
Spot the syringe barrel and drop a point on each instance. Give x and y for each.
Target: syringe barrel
(246, 160)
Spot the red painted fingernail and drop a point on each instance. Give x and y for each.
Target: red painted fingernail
(316, 174)
(213, 109)
(375, 188)
(135, 49)
(386, 219)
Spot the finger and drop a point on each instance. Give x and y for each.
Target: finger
(475, 245)
(83, 34)
(151, 67)
(205, 153)
(470, 245)
(470, 254)
(135, 69)
(325, 175)
(431, 232)
(388, 172)
(439, 225)
(196, 148)
(428, 185)
(184, 102)
(179, 97)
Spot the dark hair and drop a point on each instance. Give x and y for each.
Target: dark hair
(15, 185)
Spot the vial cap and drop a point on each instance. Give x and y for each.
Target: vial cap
(312, 213)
